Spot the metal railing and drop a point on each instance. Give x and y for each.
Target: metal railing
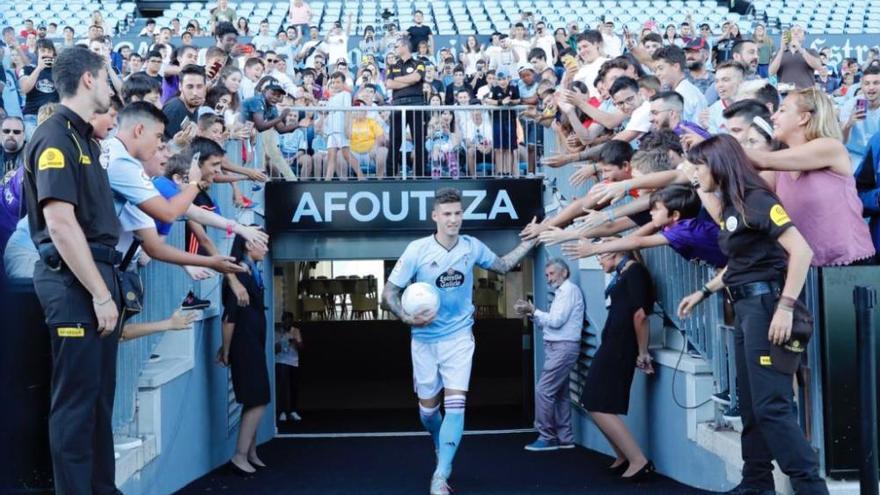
(415, 142)
(705, 330)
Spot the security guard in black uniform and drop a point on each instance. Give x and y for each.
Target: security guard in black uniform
(768, 260)
(406, 78)
(72, 222)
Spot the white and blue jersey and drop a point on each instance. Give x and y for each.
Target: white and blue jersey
(451, 272)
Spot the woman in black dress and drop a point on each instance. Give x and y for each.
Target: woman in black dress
(624, 348)
(244, 351)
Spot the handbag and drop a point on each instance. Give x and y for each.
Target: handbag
(130, 285)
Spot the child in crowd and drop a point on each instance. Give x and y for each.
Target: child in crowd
(677, 220)
(504, 125)
(367, 142)
(338, 131)
(443, 146)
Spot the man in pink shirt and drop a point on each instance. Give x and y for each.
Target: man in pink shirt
(300, 15)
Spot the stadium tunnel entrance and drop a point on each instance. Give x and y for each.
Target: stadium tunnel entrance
(354, 368)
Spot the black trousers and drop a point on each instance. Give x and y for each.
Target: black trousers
(83, 383)
(766, 398)
(286, 388)
(415, 119)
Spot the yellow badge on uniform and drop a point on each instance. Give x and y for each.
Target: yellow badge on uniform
(765, 361)
(71, 332)
(50, 158)
(778, 215)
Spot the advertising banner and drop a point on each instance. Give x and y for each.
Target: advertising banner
(376, 206)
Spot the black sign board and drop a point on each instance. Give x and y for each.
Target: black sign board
(353, 206)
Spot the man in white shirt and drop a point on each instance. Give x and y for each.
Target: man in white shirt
(544, 40)
(253, 71)
(669, 66)
(612, 44)
(264, 40)
(519, 43)
(728, 78)
(562, 327)
(589, 45)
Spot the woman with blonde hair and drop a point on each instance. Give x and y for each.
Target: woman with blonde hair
(814, 179)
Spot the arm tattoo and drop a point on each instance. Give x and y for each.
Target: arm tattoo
(511, 259)
(391, 299)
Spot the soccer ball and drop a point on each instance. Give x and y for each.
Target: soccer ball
(420, 297)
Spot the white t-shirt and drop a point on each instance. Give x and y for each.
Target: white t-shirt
(694, 101)
(612, 45)
(248, 87)
(263, 42)
(546, 43)
(336, 120)
(587, 74)
(640, 120)
(716, 117)
(337, 48)
(521, 47)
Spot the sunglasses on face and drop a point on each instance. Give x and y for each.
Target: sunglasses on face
(12, 131)
(271, 60)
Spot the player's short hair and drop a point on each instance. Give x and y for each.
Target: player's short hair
(446, 195)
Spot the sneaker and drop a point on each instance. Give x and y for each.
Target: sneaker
(722, 398)
(282, 417)
(565, 446)
(731, 413)
(439, 486)
(540, 445)
(191, 302)
(295, 416)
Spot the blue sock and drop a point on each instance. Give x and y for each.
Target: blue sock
(450, 433)
(432, 419)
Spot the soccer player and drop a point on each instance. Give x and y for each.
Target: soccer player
(442, 341)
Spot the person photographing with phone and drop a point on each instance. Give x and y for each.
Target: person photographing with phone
(37, 84)
(793, 64)
(182, 110)
(860, 116)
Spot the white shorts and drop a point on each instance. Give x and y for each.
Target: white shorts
(337, 140)
(443, 364)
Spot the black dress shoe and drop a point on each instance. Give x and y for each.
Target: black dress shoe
(618, 470)
(642, 474)
(237, 470)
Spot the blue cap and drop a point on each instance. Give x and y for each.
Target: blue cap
(502, 74)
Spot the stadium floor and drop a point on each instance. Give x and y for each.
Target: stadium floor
(486, 464)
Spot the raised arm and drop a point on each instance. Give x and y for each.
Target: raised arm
(813, 155)
(505, 263)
